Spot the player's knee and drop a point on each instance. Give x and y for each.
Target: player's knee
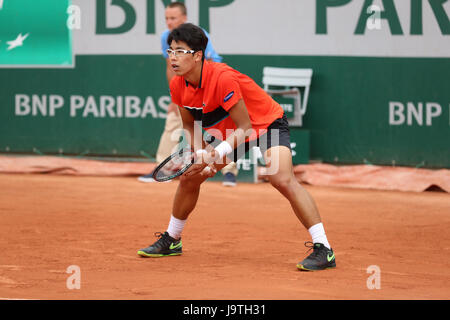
(191, 182)
(281, 181)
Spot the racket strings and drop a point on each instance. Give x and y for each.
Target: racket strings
(175, 165)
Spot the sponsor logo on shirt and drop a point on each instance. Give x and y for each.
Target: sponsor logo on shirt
(228, 96)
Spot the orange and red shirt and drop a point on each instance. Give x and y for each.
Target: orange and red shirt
(219, 89)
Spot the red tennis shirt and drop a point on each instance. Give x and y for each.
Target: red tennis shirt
(219, 89)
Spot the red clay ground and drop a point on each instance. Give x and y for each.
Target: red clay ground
(240, 243)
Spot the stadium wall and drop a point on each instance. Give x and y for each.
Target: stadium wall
(379, 91)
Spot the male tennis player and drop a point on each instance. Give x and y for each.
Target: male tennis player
(176, 15)
(233, 108)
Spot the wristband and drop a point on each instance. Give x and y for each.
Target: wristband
(200, 151)
(223, 149)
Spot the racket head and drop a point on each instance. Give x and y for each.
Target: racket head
(174, 165)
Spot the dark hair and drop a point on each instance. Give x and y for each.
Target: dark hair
(179, 5)
(192, 35)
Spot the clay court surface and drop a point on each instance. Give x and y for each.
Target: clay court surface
(240, 243)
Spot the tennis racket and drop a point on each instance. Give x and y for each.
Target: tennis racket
(175, 165)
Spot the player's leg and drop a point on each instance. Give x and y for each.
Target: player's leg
(186, 197)
(279, 160)
(187, 194)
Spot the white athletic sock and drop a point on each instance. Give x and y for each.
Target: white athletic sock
(175, 227)
(318, 235)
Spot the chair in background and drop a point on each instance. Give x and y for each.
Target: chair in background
(288, 82)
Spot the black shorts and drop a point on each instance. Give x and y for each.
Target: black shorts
(277, 135)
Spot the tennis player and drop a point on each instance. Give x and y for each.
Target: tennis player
(234, 109)
(176, 15)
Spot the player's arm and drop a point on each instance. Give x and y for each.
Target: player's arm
(190, 129)
(239, 115)
(194, 138)
(241, 119)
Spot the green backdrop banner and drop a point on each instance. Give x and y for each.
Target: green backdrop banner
(35, 33)
(392, 111)
(360, 110)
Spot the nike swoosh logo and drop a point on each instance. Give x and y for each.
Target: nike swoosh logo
(178, 245)
(330, 258)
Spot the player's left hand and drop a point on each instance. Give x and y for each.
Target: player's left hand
(203, 165)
